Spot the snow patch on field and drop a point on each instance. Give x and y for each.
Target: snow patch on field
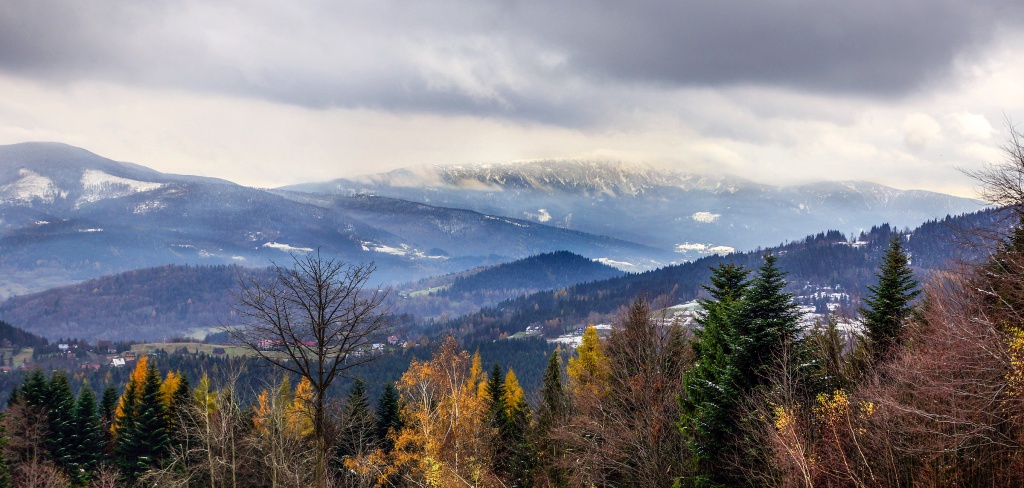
(705, 217)
(287, 248)
(97, 185)
(402, 250)
(613, 263)
(29, 187)
(705, 249)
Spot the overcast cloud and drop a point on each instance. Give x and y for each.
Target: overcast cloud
(897, 91)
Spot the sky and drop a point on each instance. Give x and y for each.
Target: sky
(907, 93)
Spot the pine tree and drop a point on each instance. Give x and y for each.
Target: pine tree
(388, 416)
(888, 305)
(709, 399)
(88, 437)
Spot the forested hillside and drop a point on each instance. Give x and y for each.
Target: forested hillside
(145, 304)
(824, 261)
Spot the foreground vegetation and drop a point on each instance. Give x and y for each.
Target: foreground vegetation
(930, 398)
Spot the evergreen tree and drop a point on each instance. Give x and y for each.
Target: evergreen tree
(552, 395)
(388, 416)
(521, 457)
(5, 467)
(88, 437)
(180, 400)
(745, 328)
(832, 364)
(767, 320)
(108, 406)
(358, 429)
(497, 419)
(15, 397)
(550, 413)
(143, 441)
(888, 304)
(710, 398)
(495, 390)
(35, 389)
(60, 413)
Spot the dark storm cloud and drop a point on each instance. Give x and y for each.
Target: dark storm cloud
(872, 47)
(554, 60)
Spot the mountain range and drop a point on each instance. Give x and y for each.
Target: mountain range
(691, 214)
(67, 215)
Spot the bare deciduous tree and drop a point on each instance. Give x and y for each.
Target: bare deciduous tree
(1003, 183)
(316, 319)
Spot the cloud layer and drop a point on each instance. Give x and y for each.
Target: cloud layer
(771, 88)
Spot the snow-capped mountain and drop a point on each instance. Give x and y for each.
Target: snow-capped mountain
(692, 214)
(68, 215)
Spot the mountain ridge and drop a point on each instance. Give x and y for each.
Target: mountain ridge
(68, 215)
(693, 214)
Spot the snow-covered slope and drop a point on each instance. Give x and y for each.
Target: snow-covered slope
(68, 215)
(691, 213)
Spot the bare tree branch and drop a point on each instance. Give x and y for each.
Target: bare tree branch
(317, 319)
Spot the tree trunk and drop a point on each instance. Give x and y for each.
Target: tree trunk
(321, 442)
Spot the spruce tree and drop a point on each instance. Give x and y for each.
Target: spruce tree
(358, 429)
(142, 441)
(35, 389)
(495, 390)
(745, 328)
(388, 416)
(497, 420)
(888, 305)
(88, 437)
(521, 457)
(60, 413)
(180, 401)
(108, 405)
(552, 396)
(768, 320)
(710, 398)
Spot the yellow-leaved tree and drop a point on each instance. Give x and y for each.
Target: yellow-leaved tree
(442, 442)
(132, 392)
(588, 370)
(515, 397)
